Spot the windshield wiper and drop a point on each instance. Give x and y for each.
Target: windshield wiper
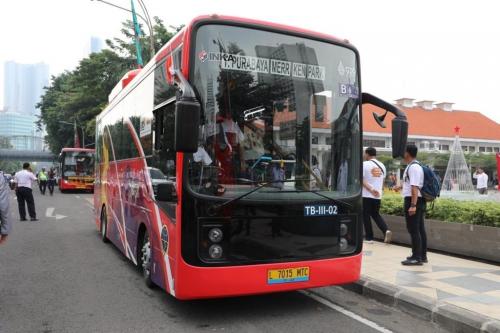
(216, 207)
(238, 198)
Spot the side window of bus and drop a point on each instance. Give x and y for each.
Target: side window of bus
(124, 146)
(163, 161)
(163, 91)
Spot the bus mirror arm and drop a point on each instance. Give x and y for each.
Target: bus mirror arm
(187, 116)
(399, 123)
(183, 84)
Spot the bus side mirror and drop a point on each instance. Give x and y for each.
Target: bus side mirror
(399, 137)
(165, 192)
(399, 123)
(187, 116)
(187, 122)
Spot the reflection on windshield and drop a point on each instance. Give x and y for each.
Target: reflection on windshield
(156, 174)
(276, 108)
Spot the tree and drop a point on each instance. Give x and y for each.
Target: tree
(126, 47)
(82, 94)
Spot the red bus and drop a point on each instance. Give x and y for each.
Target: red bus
(76, 169)
(231, 163)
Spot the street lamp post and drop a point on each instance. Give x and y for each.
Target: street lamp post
(146, 20)
(76, 132)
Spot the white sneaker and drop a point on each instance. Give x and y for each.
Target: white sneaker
(388, 236)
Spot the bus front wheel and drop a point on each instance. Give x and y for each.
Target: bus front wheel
(144, 258)
(104, 225)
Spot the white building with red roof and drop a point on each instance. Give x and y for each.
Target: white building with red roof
(432, 127)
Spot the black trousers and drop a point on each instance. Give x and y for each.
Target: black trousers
(371, 210)
(416, 228)
(43, 186)
(25, 195)
(51, 183)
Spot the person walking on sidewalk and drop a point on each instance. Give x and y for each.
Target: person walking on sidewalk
(52, 180)
(42, 181)
(482, 181)
(374, 173)
(5, 222)
(414, 207)
(24, 192)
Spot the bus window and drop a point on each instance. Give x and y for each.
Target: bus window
(164, 154)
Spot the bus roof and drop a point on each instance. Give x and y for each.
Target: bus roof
(226, 19)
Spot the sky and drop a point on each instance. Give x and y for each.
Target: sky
(427, 49)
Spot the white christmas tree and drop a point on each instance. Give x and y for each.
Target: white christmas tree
(458, 176)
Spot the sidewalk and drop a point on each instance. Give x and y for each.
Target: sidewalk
(446, 282)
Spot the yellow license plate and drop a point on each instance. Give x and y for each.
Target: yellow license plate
(286, 275)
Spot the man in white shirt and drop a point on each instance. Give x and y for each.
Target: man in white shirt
(414, 207)
(24, 192)
(374, 173)
(482, 181)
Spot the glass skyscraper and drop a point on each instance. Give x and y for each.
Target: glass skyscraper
(20, 131)
(23, 87)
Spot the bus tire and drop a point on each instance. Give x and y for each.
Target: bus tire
(104, 225)
(144, 257)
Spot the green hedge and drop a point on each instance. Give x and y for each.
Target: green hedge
(449, 210)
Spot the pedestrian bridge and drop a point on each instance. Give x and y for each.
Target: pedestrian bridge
(26, 155)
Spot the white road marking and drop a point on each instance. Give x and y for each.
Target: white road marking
(50, 213)
(346, 312)
(77, 196)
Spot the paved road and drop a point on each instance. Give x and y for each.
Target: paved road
(57, 276)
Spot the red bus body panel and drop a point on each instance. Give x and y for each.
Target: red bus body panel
(209, 282)
(70, 185)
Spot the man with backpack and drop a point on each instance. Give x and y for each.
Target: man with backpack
(374, 173)
(414, 207)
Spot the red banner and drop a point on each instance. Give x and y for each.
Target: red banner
(77, 139)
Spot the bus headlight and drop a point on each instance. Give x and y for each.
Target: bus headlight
(343, 230)
(215, 251)
(343, 244)
(215, 235)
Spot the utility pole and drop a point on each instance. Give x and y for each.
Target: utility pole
(146, 20)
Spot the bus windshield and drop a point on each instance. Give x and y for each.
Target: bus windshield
(277, 109)
(78, 164)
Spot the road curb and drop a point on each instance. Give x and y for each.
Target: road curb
(447, 316)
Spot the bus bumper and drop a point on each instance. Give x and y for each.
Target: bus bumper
(76, 187)
(212, 282)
